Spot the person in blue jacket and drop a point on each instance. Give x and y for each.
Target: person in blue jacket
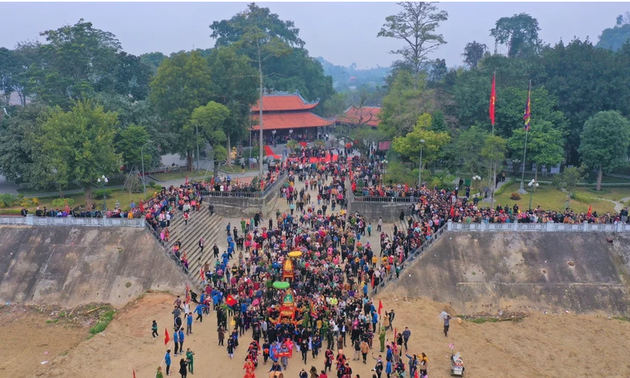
(199, 312)
(176, 341)
(189, 323)
(167, 360)
(388, 368)
(181, 340)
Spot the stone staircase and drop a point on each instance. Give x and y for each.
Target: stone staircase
(402, 225)
(200, 224)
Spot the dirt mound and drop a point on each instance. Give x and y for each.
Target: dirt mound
(75, 266)
(530, 272)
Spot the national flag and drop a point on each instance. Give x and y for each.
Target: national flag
(134, 373)
(590, 211)
(493, 98)
(527, 115)
(186, 180)
(372, 281)
(167, 338)
(230, 301)
(380, 306)
(452, 212)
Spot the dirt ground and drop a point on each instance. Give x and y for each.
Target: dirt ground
(538, 346)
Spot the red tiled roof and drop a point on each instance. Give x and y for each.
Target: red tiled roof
(294, 120)
(284, 102)
(365, 115)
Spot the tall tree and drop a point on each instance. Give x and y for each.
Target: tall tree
(183, 83)
(421, 138)
(17, 147)
(77, 145)
(605, 142)
(210, 120)
(493, 154)
(129, 145)
(416, 24)
(235, 86)
(78, 58)
(473, 52)
(519, 33)
(613, 38)
(545, 144)
(262, 36)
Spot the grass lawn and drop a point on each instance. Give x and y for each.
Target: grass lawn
(605, 179)
(79, 200)
(33, 192)
(549, 198)
(179, 175)
(615, 193)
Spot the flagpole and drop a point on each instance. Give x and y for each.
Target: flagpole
(493, 178)
(528, 110)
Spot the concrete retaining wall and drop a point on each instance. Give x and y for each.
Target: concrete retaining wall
(71, 266)
(236, 207)
(31, 220)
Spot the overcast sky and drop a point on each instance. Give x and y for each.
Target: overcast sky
(342, 33)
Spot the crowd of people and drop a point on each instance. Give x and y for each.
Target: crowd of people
(326, 309)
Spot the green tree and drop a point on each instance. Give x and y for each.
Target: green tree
(182, 84)
(473, 52)
(403, 105)
(519, 33)
(493, 153)
(411, 144)
(261, 35)
(545, 144)
(152, 60)
(78, 58)
(130, 141)
(416, 24)
(568, 180)
(210, 120)
(17, 147)
(368, 138)
(77, 145)
(235, 86)
(605, 142)
(468, 147)
(613, 38)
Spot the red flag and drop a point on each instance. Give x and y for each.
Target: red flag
(395, 332)
(372, 281)
(590, 211)
(167, 338)
(201, 271)
(134, 373)
(230, 301)
(452, 212)
(186, 179)
(527, 115)
(493, 97)
(380, 306)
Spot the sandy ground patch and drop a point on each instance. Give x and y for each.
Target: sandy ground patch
(538, 346)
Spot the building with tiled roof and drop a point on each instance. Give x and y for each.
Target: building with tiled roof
(364, 115)
(289, 113)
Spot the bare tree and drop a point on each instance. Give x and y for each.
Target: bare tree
(416, 24)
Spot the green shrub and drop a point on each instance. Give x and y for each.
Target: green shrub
(103, 322)
(8, 200)
(152, 183)
(61, 202)
(583, 198)
(515, 196)
(10, 211)
(502, 188)
(102, 192)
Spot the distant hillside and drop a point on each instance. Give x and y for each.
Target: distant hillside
(348, 78)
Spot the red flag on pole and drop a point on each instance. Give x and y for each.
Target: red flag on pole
(372, 281)
(493, 97)
(380, 306)
(590, 211)
(186, 180)
(230, 301)
(167, 338)
(134, 373)
(452, 212)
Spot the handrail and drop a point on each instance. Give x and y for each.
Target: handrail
(163, 244)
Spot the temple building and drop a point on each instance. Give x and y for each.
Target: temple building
(288, 116)
(361, 116)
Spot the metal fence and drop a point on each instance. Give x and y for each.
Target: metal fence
(247, 194)
(539, 227)
(31, 220)
(360, 198)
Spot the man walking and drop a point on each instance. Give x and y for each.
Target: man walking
(406, 335)
(202, 243)
(447, 322)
